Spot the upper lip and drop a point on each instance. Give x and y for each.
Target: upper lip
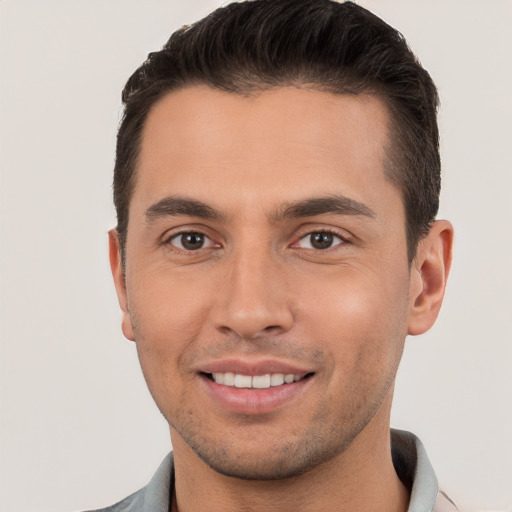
(252, 368)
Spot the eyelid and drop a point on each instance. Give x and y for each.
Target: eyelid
(335, 244)
(173, 233)
(309, 229)
(208, 242)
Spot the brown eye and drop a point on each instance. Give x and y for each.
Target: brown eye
(191, 241)
(320, 240)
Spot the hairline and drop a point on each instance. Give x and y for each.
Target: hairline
(392, 154)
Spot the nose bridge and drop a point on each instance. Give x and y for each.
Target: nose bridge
(255, 298)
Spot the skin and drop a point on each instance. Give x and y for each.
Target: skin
(258, 290)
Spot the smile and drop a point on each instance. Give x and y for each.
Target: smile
(254, 394)
(266, 381)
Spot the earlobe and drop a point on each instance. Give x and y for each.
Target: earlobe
(429, 274)
(120, 282)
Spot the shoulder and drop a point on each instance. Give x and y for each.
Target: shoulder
(154, 497)
(128, 504)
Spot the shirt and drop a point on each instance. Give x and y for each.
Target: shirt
(409, 458)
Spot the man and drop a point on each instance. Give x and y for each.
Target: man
(276, 185)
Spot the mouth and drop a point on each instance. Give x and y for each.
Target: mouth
(254, 389)
(265, 381)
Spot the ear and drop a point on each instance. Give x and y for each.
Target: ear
(429, 274)
(114, 247)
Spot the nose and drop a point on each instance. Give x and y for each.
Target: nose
(255, 300)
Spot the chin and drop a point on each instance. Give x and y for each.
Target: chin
(266, 461)
(264, 467)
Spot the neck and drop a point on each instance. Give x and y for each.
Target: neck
(361, 478)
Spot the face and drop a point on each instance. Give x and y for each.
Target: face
(267, 284)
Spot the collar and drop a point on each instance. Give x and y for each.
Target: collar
(414, 469)
(409, 458)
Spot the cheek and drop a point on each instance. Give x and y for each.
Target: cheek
(168, 303)
(165, 325)
(361, 330)
(167, 316)
(358, 317)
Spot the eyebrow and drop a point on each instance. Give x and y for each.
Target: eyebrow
(173, 206)
(336, 204)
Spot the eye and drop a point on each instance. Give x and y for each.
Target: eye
(191, 241)
(320, 240)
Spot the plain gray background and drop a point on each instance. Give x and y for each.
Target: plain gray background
(78, 428)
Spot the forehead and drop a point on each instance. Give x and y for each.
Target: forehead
(285, 141)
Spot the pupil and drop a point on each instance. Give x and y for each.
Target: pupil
(192, 241)
(321, 240)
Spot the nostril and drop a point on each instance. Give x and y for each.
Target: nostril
(251, 322)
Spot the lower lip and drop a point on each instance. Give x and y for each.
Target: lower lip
(254, 401)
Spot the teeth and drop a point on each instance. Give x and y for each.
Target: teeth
(257, 382)
(277, 379)
(243, 381)
(261, 381)
(229, 379)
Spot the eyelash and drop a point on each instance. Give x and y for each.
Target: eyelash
(168, 241)
(335, 234)
(342, 239)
